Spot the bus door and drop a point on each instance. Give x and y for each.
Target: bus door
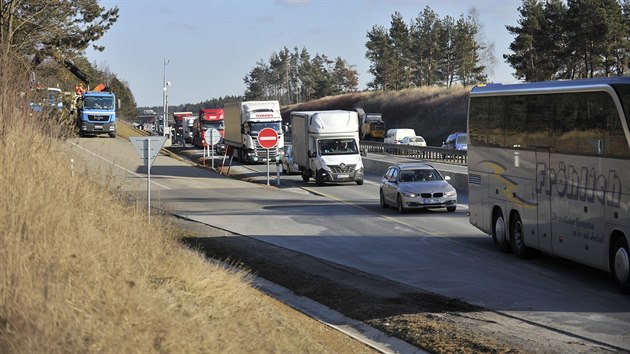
(543, 194)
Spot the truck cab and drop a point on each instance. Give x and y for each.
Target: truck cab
(326, 146)
(97, 113)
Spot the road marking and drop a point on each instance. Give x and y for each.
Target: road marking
(115, 164)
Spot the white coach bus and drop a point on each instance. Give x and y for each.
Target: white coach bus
(549, 170)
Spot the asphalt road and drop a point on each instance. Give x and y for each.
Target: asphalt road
(432, 250)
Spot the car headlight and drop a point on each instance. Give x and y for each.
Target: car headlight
(450, 193)
(410, 194)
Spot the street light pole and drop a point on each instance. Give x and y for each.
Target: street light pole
(165, 88)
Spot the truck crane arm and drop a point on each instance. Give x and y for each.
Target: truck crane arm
(76, 71)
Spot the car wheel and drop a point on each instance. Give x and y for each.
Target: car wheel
(284, 170)
(112, 135)
(451, 209)
(399, 205)
(304, 176)
(360, 182)
(499, 232)
(382, 200)
(620, 264)
(517, 237)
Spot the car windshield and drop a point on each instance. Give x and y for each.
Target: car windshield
(416, 139)
(90, 102)
(461, 139)
(419, 175)
(337, 147)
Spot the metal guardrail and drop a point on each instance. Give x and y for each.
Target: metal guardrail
(419, 152)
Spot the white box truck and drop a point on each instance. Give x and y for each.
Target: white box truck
(243, 121)
(326, 146)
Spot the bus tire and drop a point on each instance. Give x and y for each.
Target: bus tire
(620, 264)
(499, 232)
(517, 237)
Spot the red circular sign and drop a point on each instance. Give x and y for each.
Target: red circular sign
(267, 138)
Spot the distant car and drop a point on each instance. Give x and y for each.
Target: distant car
(288, 166)
(416, 186)
(395, 136)
(413, 140)
(457, 141)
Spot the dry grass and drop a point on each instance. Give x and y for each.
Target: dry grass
(82, 271)
(434, 112)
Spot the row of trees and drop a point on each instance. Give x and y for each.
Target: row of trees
(43, 33)
(293, 77)
(428, 51)
(557, 39)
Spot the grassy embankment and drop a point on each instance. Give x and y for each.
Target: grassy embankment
(434, 112)
(82, 271)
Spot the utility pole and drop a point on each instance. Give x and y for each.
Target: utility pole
(165, 132)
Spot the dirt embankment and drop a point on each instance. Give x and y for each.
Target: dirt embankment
(432, 112)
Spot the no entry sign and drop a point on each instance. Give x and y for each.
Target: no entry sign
(267, 138)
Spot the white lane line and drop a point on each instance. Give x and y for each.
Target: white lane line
(116, 165)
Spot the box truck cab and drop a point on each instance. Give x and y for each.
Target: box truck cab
(395, 136)
(326, 146)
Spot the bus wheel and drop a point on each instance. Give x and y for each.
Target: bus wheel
(517, 237)
(621, 264)
(499, 232)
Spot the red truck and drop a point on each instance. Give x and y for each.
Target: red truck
(211, 118)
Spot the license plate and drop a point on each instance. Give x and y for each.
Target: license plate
(343, 176)
(431, 201)
(98, 127)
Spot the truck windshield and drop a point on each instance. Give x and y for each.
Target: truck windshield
(337, 147)
(213, 125)
(90, 102)
(255, 128)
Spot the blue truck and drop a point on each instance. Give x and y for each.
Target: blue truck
(96, 113)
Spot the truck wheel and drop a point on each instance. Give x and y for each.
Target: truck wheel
(304, 176)
(112, 135)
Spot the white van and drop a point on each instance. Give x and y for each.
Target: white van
(395, 136)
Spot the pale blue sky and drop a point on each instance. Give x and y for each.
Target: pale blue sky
(213, 44)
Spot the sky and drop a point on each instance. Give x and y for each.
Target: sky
(211, 45)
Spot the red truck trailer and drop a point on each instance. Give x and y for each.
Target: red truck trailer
(211, 118)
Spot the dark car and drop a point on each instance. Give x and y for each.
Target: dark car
(457, 141)
(219, 148)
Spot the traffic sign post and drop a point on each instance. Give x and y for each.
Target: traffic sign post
(212, 137)
(148, 152)
(268, 138)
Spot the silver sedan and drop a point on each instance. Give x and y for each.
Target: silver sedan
(416, 186)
